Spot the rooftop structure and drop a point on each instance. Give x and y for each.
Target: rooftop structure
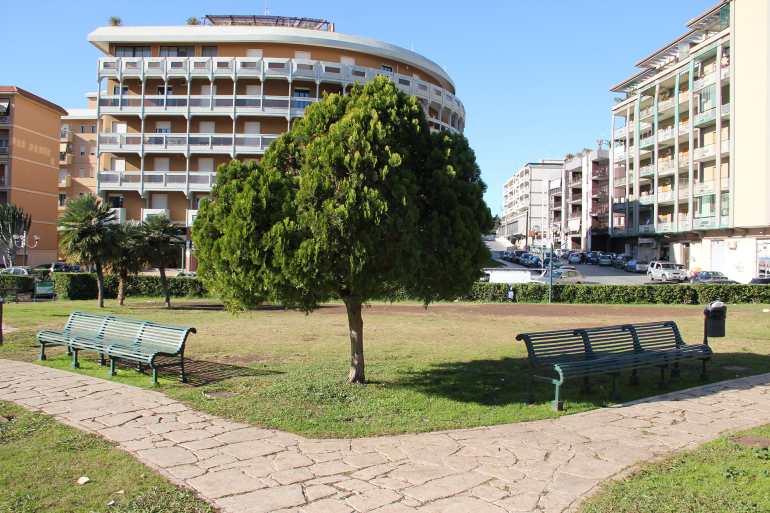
(269, 21)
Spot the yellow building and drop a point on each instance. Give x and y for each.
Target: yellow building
(29, 154)
(174, 103)
(691, 170)
(79, 162)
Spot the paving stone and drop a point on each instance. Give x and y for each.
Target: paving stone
(354, 485)
(416, 474)
(489, 493)
(217, 461)
(366, 460)
(291, 476)
(197, 445)
(289, 459)
(122, 434)
(188, 435)
(373, 499)
(186, 471)
(461, 505)
(168, 456)
(445, 487)
(251, 449)
(331, 468)
(244, 435)
(319, 492)
(327, 506)
(226, 482)
(521, 502)
(324, 447)
(264, 501)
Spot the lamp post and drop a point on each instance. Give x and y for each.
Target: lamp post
(21, 241)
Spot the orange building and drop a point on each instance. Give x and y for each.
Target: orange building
(29, 165)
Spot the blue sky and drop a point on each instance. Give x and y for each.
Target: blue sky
(534, 75)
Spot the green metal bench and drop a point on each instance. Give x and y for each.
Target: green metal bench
(608, 350)
(120, 337)
(10, 294)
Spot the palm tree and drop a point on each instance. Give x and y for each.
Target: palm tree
(128, 259)
(161, 246)
(115, 21)
(579, 155)
(568, 157)
(600, 143)
(192, 20)
(87, 235)
(586, 151)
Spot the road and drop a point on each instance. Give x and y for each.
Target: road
(594, 274)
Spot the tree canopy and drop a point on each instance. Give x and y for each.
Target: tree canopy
(358, 200)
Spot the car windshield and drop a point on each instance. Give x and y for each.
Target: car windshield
(557, 274)
(716, 274)
(641, 262)
(669, 266)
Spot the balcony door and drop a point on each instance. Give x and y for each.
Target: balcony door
(119, 127)
(251, 127)
(160, 201)
(207, 90)
(207, 127)
(161, 164)
(206, 164)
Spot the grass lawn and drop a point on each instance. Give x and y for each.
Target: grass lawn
(493, 263)
(453, 365)
(720, 476)
(42, 460)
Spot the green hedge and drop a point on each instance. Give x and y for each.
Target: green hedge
(10, 281)
(83, 286)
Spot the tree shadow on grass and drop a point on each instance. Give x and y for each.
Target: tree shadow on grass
(503, 382)
(201, 372)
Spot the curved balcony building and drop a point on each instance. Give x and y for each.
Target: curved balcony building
(176, 102)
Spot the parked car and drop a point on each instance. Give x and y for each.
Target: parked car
(535, 262)
(621, 260)
(709, 277)
(574, 258)
(637, 266)
(524, 259)
(505, 255)
(593, 257)
(664, 271)
(516, 257)
(21, 270)
(759, 281)
(606, 261)
(562, 276)
(57, 267)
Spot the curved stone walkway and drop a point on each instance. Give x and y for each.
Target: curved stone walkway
(546, 465)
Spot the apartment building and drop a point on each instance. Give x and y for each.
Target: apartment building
(691, 172)
(525, 204)
(78, 161)
(174, 103)
(578, 203)
(29, 146)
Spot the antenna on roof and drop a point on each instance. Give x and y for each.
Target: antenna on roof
(267, 11)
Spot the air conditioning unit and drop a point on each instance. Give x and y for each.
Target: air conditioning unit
(669, 151)
(733, 244)
(183, 82)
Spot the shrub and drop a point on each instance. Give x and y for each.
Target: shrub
(83, 286)
(22, 282)
(75, 286)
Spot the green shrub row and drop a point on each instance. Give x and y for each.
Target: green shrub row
(10, 281)
(83, 286)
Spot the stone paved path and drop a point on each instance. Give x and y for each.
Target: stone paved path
(545, 465)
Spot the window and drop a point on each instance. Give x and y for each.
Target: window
(62, 199)
(93, 129)
(389, 69)
(83, 128)
(116, 90)
(209, 51)
(177, 51)
(92, 150)
(133, 51)
(404, 82)
(301, 93)
(115, 201)
(82, 151)
(163, 90)
(91, 172)
(82, 173)
(163, 127)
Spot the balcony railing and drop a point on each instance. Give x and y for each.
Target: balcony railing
(619, 155)
(684, 128)
(647, 111)
(704, 222)
(555, 191)
(156, 180)
(705, 152)
(198, 143)
(191, 215)
(665, 196)
(577, 181)
(684, 161)
(665, 227)
(709, 79)
(684, 190)
(665, 104)
(646, 228)
(620, 181)
(619, 132)
(683, 97)
(647, 141)
(575, 215)
(724, 72)
(576, 197)
(4, 151)
(665, 135)
(646, 200)
(556, 205)
(725, 109)
(725, 146)
(4, 120)
(666, 167)
(705, 117)
(647, 170)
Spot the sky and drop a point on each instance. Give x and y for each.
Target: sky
(534, 75)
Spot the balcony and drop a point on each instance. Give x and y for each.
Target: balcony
(576, 216)
(646, 171)
(702, 223)
(65, 159)
(556, 205)
(665, 196)
(706, 81)
(65, 182)
(619, 229)
(200, 181)
(725, 146)
(704, 153)
(684, 224)
(647, 141)
(649, 111)
(684, 190)
(646, 228)
(598, 174)
(599, 211)
(665, 135)
(646, 200)
(724, 73)
(5, 120)
(725, 110)
(179, 143)
(3, 147)
(619, 155)
(120, 215)
(666, 104)
(619, 133)
(576, 182)
(666, 167)
(66, 136)
(146, 212)
(684, 96)
(576, 197)
(620, 182)
(191, 215)
(665, 227)
(684, 128)
(555, 191)
(709, 186)
(705, 117)
(600, 192)
(684, 161)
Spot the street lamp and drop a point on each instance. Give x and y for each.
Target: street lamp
(21, 241)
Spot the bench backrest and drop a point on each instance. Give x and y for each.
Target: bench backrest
(167, 338)
(548, 347)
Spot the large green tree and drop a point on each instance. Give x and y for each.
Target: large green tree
(358, 200)
(87, 235)
(160, 246)
(128, 258)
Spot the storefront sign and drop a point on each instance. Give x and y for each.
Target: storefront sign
(643, 240)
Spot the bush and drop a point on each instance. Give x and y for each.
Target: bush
(83, 286)
(75, 286)
(22, 282)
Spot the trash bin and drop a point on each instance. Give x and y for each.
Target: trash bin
(716, 313)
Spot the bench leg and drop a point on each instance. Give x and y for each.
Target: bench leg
(615, 393)
(42, 351)
(633, 379)
(69, 350)
(585, 388)
(101, 359)
(139, 368)
(155, 378)
(75, 363)
(529, 397)
(557, 404)
(663, 384)
(112, 367)
(182, 377)
(675, 372)
(704, 375)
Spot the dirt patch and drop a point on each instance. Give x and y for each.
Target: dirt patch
(752, 441)
(244, 358)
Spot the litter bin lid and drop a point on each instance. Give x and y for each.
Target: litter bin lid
(714, 305)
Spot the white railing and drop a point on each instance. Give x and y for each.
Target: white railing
(665, 135)
(665, 227)
(120, 215)
(684, 190)
(683, 97)
(619, 132)
(647, 112)
(198, 143)
(146, 212)
(646, 228)
(666, 104)
(709, 79)
(705, 152)
(646, 170)
(724, 72)
(646, 200)
(705, 187)
(684, 161)
(705, 116)
(619, 155)
(666, 167)
(647, 141)
(704, 222)
(191, 215)
(725, 109)
(666, 196)
(725, 146)
(619, 182)
(148, 179)
(684, 128)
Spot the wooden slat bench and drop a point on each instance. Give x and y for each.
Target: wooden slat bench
(608, 350)
(120, 337)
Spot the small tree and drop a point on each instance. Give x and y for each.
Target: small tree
(600, 143)
(87, 235)
(160, 246)
(192, 20)
(115, 21)
(586, 151)
(358, 200)
(13, 222)
(569, 157)
(128, 259)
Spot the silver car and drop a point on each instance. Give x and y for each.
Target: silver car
(664, 271)
(563, 277)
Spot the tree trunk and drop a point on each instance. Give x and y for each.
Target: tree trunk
(122, 286)
(100, 283)
(356, 325)
(164, 282)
